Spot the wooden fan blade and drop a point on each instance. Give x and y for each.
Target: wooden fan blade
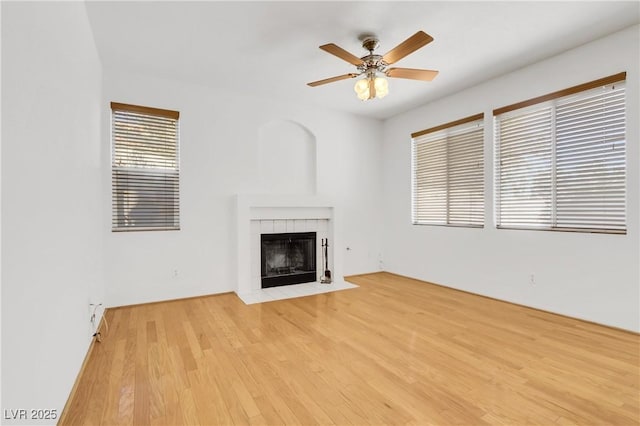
(408, 46)
(341, 53)
(412, 74)
(332, 79)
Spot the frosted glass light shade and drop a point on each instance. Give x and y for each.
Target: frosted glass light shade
(362, 89)
(382, 87)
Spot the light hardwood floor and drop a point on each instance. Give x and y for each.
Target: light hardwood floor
(393, 351)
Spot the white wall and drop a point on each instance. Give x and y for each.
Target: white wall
(52, 214)
(220, 157)
(286, 158)
(589, 276)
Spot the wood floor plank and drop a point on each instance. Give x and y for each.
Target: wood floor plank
(392, 351)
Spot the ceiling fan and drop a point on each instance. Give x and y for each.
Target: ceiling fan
(373, 86)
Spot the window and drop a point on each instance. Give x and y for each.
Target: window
(560, 160)
(145, 168)
(448, 174)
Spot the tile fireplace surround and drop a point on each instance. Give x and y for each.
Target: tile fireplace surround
(261, 214)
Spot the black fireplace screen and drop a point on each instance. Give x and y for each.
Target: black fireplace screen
(288, 258)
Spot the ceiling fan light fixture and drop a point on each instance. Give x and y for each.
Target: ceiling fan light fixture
(362, 88)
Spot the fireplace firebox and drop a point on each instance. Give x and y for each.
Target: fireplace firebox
(288, 258)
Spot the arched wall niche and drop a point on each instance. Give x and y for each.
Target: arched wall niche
(287, 158)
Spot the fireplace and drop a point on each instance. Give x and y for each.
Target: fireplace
(288, 258)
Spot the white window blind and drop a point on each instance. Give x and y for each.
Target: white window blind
(145, 168)
(560, 164)
(448, 174)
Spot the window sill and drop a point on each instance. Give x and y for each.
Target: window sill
(578, 230)
(448, 225)
(137, 229)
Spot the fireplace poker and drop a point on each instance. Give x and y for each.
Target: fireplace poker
(326, 278)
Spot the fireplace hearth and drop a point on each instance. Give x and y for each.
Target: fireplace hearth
(288, 258)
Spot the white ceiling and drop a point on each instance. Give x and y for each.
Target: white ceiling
(270, 49)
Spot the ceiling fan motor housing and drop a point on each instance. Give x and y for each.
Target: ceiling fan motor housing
(372, 62)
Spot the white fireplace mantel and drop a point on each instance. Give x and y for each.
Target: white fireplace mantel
(251, 208)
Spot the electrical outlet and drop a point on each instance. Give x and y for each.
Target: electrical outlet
(175, 273)
(532, 279)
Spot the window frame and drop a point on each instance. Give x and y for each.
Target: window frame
(171, 184)
(551, 101)
(459, 127)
